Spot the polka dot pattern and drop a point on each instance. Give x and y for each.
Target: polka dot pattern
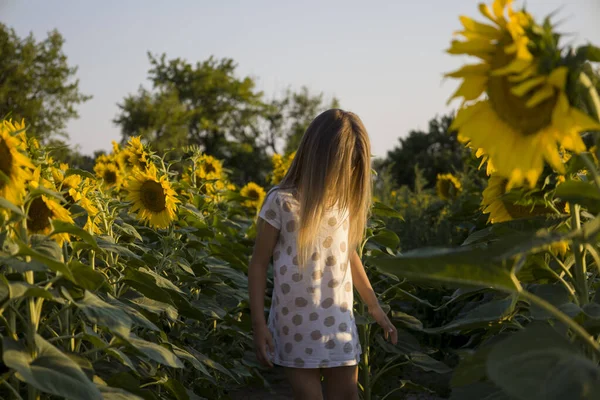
(311, 317)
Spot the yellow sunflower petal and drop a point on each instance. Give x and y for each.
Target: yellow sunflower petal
(540, 96)
(474, 47)
(470, 89)
(469, 71)
(523, 88)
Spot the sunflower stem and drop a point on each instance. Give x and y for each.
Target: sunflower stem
(592, 94)
(592, 168)
(579, 255)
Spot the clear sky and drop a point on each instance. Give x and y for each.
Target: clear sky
(383, 60)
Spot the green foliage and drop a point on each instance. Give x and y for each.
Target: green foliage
(435, 151)
(207, 105)
(37, 83)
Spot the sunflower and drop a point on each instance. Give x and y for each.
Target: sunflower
(208, 168)
(44, 209)
(135, 154)
(109, 173)
(255, 195)
(153, 198)
(501, 209)
(281, 164)
(447, 186)
(526, 114)
(14, 166)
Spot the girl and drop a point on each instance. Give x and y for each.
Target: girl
(315, 219)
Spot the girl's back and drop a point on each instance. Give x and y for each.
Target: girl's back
(311, 330)
(311, 316)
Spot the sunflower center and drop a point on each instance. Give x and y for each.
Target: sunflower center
(153, 197)
(446, 188)
(39, 215)
(110, 177)
(6, 162)
(253, 194)
(511, 108)
(209, 168)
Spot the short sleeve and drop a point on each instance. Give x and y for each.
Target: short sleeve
(271, 210)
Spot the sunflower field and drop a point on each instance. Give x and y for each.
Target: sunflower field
(130, 282)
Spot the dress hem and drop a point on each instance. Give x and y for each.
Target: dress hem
(291, 364)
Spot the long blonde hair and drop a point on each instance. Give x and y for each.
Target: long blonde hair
(332, 166)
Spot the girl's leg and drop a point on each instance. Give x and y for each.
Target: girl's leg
(341, 383)
(305, 382)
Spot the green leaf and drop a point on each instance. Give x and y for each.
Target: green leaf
(589, 52)
(479, 317)
(80, 172)
(46, 246)
(111, 393)
(580, 192)
(156, 307)
(146, 285)
(466, 267)
(176, 389)
(154, 351)
(185, 355)
(56, 266)
(137, 317)
(427, 363)
(65, 227)
(42, 191)
(383, 210)
(85, 276)
(408, 321)
(50, 371)
(556, 294)
(17, 290)
(387, 238)
(210, 363)
(107, 243)
(7, 205)
(21, 266)
(538, 363)
(104, 314)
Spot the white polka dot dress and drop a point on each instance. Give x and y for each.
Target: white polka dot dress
(311, 317)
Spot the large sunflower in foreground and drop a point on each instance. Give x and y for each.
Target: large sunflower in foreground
(255, 195)
(526, 114)
(447, 186)
(153, 199)
(14, 166)
(44, 209)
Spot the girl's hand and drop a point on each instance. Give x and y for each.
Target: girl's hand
(389, 330)
(263, 342)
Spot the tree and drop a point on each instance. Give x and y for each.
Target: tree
(434, 152)
(37, 83)
(291, 115)
(204, 104)
(207, 105)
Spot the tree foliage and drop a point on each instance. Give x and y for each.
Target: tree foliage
(37, 83)
(208, 105)
(434, 151)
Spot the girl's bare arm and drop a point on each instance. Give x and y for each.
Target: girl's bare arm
(361, 281)
(266, 238)
(367, 294)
